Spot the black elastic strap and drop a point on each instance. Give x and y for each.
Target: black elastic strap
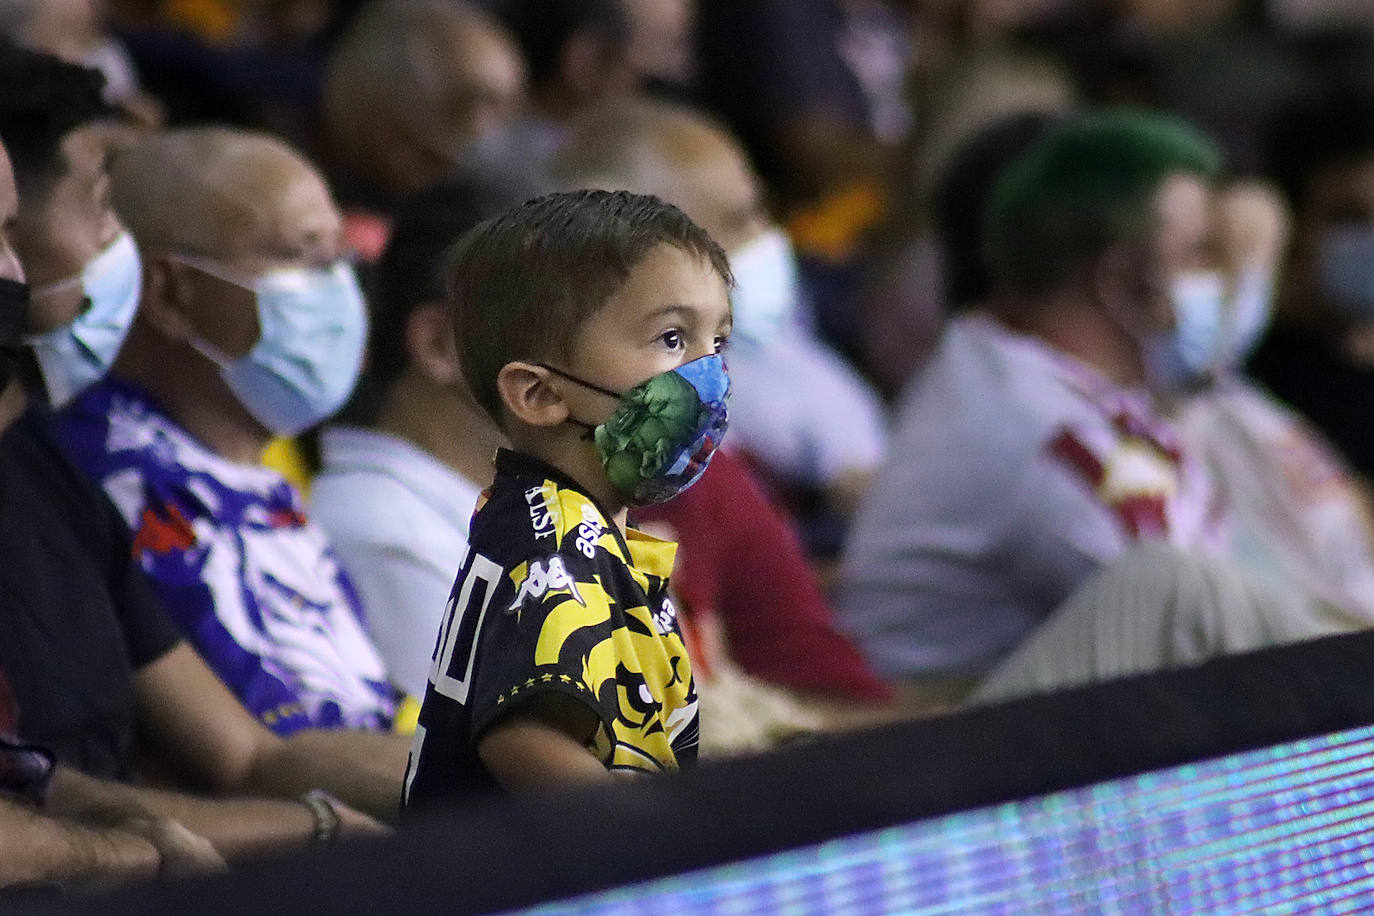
(583, 382)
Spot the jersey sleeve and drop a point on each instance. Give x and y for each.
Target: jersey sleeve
(545, 634)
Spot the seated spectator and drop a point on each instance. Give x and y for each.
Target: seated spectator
(798, 410)
(83, 267)
(1029, 457)
(578, 54)
(58, 843)
(75, 30)
(93, 671)
(413, 90)
(1319, 357)
(1299, 516)
(249, 327)
(396, 494)
(816, 91)
(916, 275)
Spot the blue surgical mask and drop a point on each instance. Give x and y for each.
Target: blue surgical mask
(661, 436)
(1345, 269)
(77, 355)
(765, 298)
(313, 328)
(1191, 350)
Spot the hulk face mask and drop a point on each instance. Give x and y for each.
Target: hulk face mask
(660, 438)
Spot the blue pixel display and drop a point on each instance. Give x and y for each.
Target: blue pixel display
(1284, 829)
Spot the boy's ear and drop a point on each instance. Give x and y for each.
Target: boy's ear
(527, 393)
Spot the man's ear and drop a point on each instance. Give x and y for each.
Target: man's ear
(164, 291)
(1120, 281)
(430, 345)
(528, 392)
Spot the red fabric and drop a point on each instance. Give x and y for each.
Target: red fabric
(739, 560)
(365, 233)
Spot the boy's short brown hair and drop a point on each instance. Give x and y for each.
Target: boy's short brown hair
(521, 284)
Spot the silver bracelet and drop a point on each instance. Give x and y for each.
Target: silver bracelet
(321, 805)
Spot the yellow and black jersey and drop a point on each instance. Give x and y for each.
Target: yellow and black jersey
(550, 598)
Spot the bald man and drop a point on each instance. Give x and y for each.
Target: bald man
(249, 326)
(797, 408)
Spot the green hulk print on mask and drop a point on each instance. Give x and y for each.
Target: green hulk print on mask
(660, 439)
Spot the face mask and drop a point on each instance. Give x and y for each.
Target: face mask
(313, 327)
(14, 316)
(662, 435)
(1345, 269)
(1178, 357)
(78, 354)
(1250, 310)
(764, 300)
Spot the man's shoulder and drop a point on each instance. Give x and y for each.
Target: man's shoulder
(372, 507)
(33, 459)
(112, 427)
(987, 392)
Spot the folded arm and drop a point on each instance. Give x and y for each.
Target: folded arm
(193, 723)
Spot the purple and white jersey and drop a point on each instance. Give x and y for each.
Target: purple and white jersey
(250, 581)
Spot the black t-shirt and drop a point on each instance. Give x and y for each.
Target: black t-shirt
(550, 598)
(76, 616)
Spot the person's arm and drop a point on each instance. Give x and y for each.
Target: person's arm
(35, 848)
(192, 719)
(192, 832)
(543, 747)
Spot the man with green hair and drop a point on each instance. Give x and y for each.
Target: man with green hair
(1038, 522)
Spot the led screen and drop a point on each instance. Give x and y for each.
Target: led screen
(1284, 829)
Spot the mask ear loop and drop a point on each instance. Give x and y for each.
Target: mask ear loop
(588, 429)
(583, 382)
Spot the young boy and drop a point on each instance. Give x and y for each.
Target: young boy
(589, 326)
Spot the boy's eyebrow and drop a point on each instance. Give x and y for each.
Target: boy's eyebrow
(682, 310)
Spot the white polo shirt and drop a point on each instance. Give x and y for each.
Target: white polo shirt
(398, 518)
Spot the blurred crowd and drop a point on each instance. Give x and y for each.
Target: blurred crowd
(1052, 361)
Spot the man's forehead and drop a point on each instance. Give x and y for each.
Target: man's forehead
(1183, 200)
(268, 203)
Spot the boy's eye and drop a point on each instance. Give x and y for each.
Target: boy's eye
(721, 343)
(673, 340)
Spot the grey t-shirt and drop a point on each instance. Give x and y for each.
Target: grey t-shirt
(1014, 471)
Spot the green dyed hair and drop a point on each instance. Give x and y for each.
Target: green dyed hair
(1087, 185)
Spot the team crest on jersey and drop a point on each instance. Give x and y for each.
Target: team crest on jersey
(544, 577)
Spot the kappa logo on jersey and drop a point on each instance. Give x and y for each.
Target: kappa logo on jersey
(540, 517)
(544, 578)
